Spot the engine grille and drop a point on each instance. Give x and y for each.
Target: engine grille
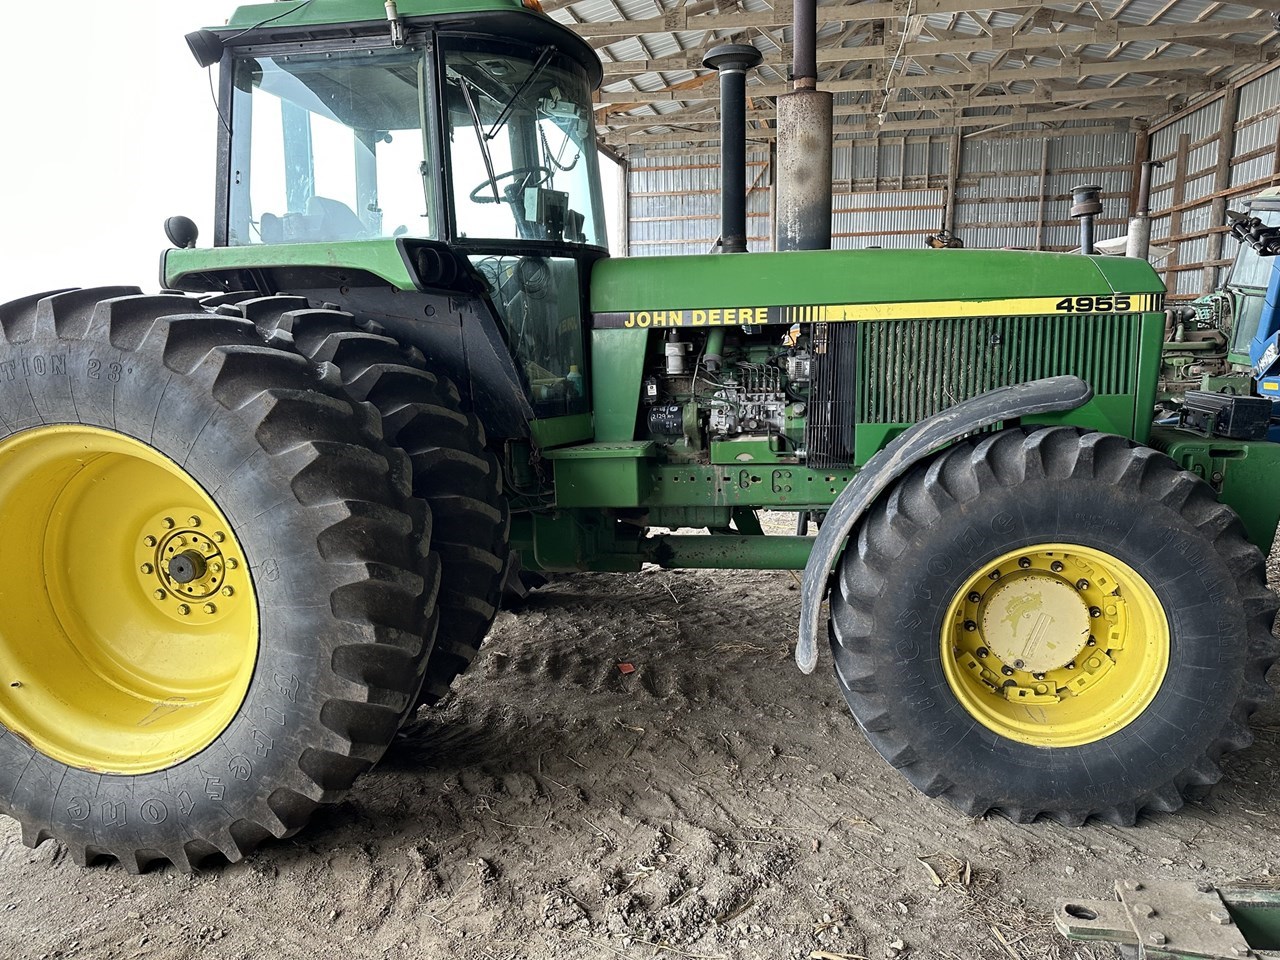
(911, 369)
(832, 395)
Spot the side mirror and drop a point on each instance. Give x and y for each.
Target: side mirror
(181, 231)
(206, 47)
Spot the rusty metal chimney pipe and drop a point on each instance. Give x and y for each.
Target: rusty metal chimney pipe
(802, 218)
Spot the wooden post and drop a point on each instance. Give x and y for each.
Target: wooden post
(1044, 186)
(1221, 182)
(1141, 154)
(1175, 217)
(624, 208)
(953, 178)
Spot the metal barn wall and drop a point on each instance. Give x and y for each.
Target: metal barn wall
(1215, 153)
(1016, 192)
(673, 203)
(1011, 190)
(892, 192)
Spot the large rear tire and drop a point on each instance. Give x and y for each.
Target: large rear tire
(452, 471)
(1053, 622)
(214, 581)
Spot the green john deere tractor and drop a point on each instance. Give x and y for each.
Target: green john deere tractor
(406, 362)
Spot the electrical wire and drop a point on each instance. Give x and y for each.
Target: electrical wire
(893, 64)
(262, 23)
(217, 106)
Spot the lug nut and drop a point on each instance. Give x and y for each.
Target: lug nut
(1038, 676)
(160, 594)
(193, 521)
(1071, 665)
(210, 608)
(147, 568)
(183, 609)
(219, 537)
(1095, 612)
(975, 596)
(1082, 584)
(1007, 671)
(993, 575)
(1024, 563)
(168, 523)
(982, 653)
(1056, 566)
(232, 564)
(149, 541)
(228, 592)
(1091, 642)
(970, 626)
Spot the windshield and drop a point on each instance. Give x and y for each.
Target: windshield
(522, 144)
(1251, 270)
(329, 147)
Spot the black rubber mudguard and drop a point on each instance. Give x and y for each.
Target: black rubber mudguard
(1050, 395)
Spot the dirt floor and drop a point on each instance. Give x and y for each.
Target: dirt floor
(713, 803)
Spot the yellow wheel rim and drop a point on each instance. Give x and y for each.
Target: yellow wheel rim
(1055, 645)
(129, 624)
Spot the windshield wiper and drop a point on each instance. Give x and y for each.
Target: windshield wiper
(538, 67)
(480, 137)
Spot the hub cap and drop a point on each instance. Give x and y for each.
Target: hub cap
(130, 626)
(1055, 645)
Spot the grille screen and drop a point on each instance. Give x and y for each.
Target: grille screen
(832, 396)
(912, 369)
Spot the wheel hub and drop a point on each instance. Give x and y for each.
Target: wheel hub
(1034, 622)
(1055, 645)
(184, 570)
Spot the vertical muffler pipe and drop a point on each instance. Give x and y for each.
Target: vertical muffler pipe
(1086, 204)
(1139, 244)
(733, 60)
(804, 144)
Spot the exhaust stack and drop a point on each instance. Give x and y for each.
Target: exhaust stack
(1139, 244)
(733, 60)
(804, 144)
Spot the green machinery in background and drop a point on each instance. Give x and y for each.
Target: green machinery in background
(253, 521)
(1208, 339)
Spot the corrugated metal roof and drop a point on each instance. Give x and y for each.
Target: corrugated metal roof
(1029, 66)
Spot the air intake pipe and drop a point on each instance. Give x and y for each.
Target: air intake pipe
(733, 60)
(1086, 204)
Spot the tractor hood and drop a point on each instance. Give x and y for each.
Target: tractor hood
(871, 284)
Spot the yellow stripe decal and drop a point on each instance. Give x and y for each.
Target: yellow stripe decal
(732, 316)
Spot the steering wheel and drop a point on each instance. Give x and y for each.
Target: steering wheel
(484, 193)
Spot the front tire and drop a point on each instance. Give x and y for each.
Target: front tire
(213, 597)
(1053, 622)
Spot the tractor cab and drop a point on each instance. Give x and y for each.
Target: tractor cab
(448, 150)
(1247, 283)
